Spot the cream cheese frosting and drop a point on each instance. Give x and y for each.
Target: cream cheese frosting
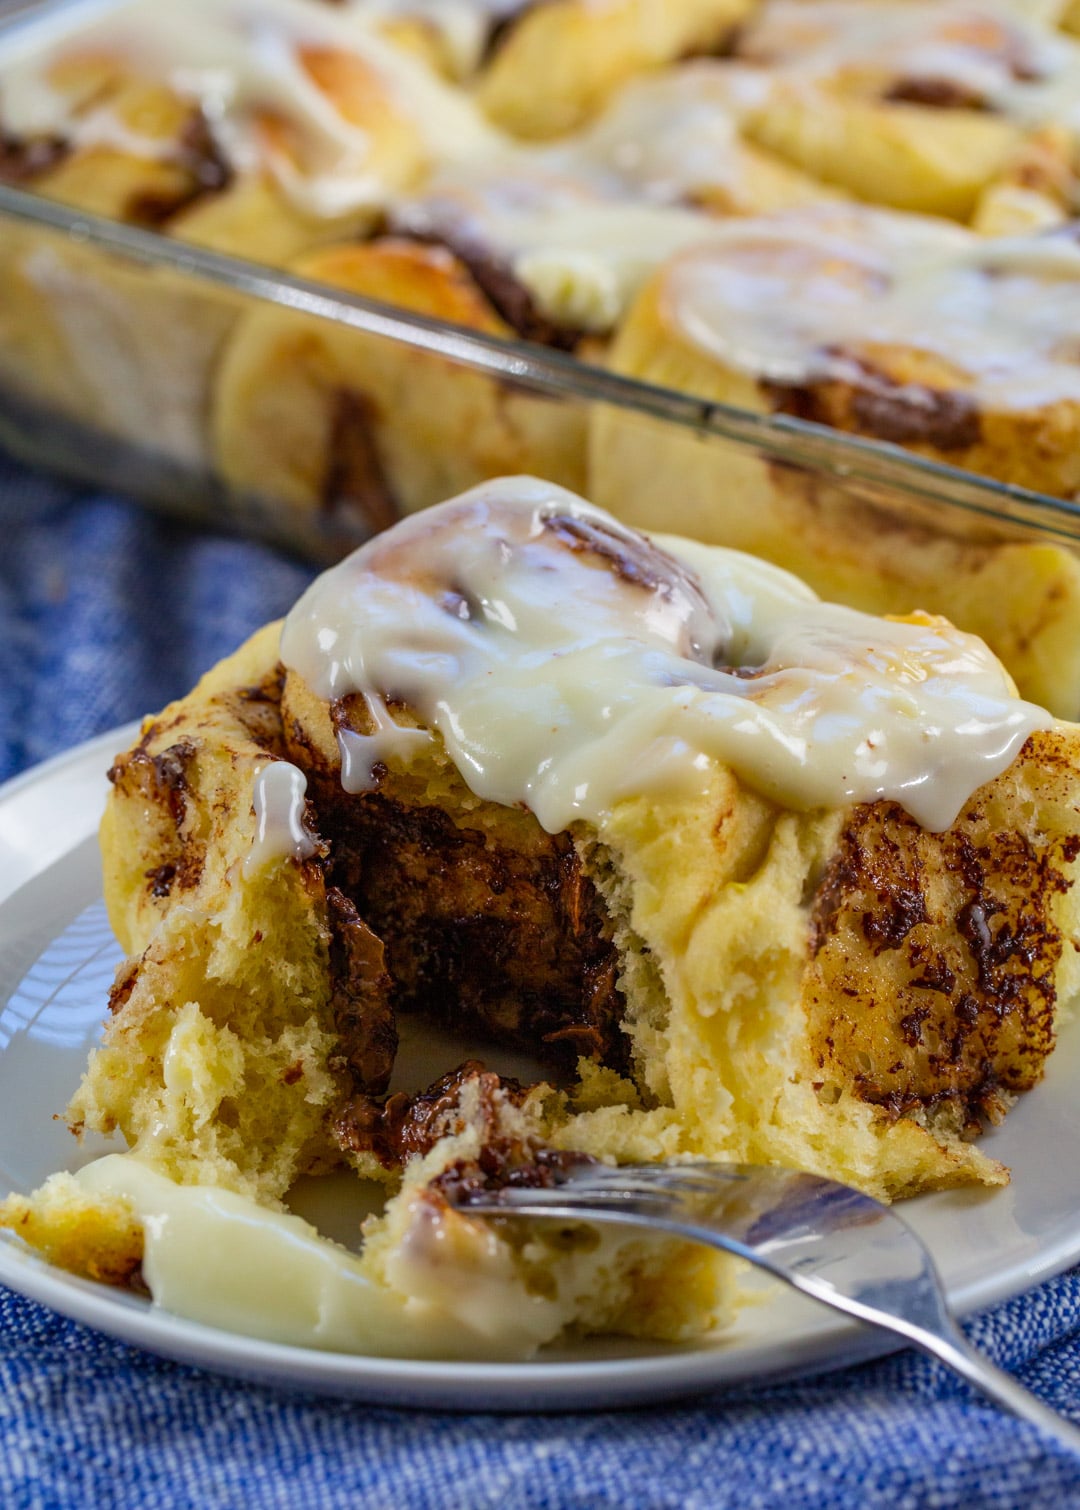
(224, 1260)
(568, 663)
(584, 222)
(1001, 56)
(235, 58)
(797, 296)
(280, 832)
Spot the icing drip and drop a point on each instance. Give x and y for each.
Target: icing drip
(278, 797)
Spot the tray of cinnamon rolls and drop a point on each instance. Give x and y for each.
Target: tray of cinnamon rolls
(800, 277)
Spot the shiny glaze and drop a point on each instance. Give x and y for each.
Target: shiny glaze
(568, 663)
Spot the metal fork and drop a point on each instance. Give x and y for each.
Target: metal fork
(823, 1238)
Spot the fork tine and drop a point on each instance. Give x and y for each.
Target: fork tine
(828, 1240)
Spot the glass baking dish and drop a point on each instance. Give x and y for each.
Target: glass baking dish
(252, 398)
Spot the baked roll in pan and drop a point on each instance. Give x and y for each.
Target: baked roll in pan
(546, 244)
(920, 106)
(896, 329)
(554, 65)
(318, 127)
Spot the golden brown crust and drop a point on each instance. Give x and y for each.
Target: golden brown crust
(932, 986)
(351, 429)
(583, 52)
(912, 398)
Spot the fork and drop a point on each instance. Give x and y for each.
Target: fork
(824, 1239)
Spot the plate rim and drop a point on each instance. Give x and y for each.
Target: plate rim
(543, 1384)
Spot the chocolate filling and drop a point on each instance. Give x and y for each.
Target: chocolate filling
(204, 168)
(24, 159)
(878, 405)
(511, 300)
(356, 490)
(495, 930)
(409, 1126)
(940, 94)
(490, 928)
(974, 1013)
(361, 1001)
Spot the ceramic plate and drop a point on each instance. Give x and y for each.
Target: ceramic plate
(56, 961)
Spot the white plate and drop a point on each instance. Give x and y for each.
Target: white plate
(56, 961)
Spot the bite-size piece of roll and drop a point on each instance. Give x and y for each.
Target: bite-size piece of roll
(914, 105)
(741, 869)
(896, 329)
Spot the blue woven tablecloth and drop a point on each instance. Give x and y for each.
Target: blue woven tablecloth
(105, 613)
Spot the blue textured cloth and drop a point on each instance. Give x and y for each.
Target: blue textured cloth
(106, 612)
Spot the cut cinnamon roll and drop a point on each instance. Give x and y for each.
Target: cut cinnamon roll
(740, 869)
(896, 329)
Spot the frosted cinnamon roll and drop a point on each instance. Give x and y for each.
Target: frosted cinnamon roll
(545, 244)
(343, 425)
(914, 105)
(256, 131)
(753, 877)
(542, 68)
(897, 329)
(551, 65)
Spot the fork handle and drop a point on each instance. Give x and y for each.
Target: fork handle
(951, 1347)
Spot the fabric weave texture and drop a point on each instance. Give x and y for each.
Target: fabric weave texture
(107, 612)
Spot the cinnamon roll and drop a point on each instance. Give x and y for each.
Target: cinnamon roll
(739, 868)
(890, 327)
(254, 131)
(583, 51)
(914, 105)
(545, 244)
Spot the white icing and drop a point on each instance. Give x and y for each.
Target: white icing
(583, 223)
(278, 799)
(1002, 54)
(559, 683)
(666, 136)
(798, 295)
(221, 1259)
(389, 740)
(237, 58)
(581, 256)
